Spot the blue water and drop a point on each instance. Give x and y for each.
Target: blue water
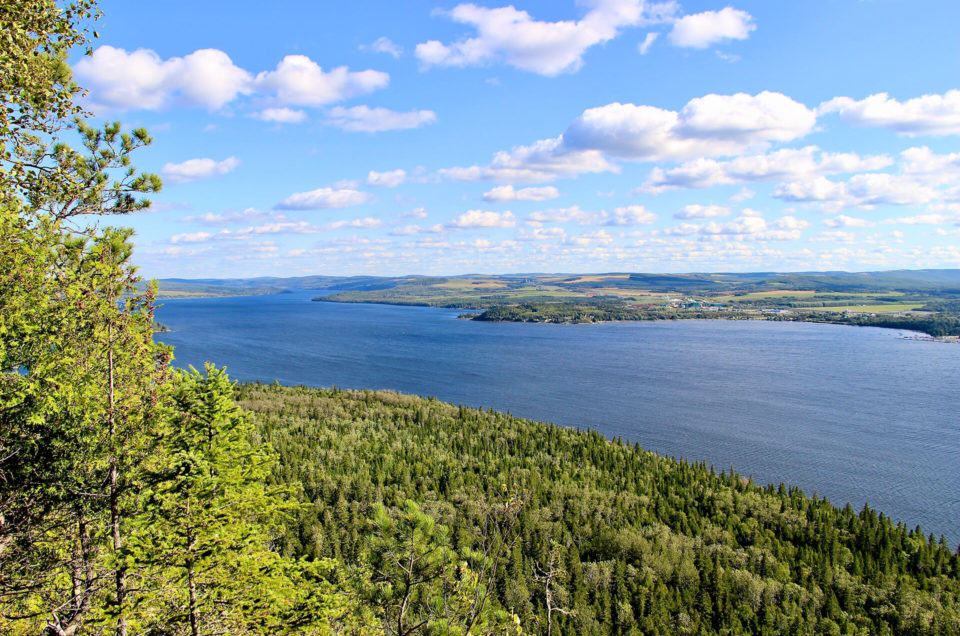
(854, 414)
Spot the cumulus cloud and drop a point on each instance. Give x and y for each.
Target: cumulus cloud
(279, 226)
(386, 179)
(887, 189)
(922, 163)
(476, 219)
(842, 220)
(191, 237)
(227, 218)
(924, 115)
(413, 230)
(630, 215)
(835, 236)
(513, 37)
(750, 225)
(784, 164)
(600, 237)
(324, 198)
(299, 81)
(119, 80)
(208, 78)
(507, 193)
(543, 160)
(696, 211)
(924, 219)
(573, 214)
(819, 189)
(543, 234)
(416, 213)
(282, 115)
(701, 30)
(198, 169)
(366, 119)
(366, 223)
(712, 125)
(860, 191)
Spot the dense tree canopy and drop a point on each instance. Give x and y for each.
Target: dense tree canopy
(625, 541)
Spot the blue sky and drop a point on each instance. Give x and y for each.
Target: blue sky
(605, 135)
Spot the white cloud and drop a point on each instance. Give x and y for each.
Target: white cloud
(924, 219)
(280, 226)
(887, 189)
(413, 230)
(923, 163)
(791, 223)
(924, 115)
(700, 30)
(744, 195)
(507, 193)
(282, 115)
(836, 236)
(366, 119)
(630, 215)
(323, 198)
(860, 191)
(227, 218)
(197, 169)
(648, 41)
(842, 220)
(366, 223)
(572, 214)
(386, 45)
(119, 80)
(696, 211)
(739, 225)
(784, 164)
(543, 234)
(386, 179)
(512, 36)
(299, 81)
(543, 160)
(474, 219)
(819, 189)
(621, 216)
(707, 126)
(194, 237)
(416, 213)
(749, 226)
(600, 237)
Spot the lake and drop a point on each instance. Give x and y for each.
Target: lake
(854, 414)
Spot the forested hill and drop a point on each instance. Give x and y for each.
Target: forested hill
(621, 541)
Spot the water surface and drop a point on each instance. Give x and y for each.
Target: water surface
(854, 414)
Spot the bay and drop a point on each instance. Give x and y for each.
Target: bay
(859, 415)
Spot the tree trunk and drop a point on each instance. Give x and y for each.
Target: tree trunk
(191, 583)
(121, 572)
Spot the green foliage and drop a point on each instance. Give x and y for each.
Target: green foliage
(208, 519)
(421, 585)
(637, 543)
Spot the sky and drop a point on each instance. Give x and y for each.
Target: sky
(393, 138)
